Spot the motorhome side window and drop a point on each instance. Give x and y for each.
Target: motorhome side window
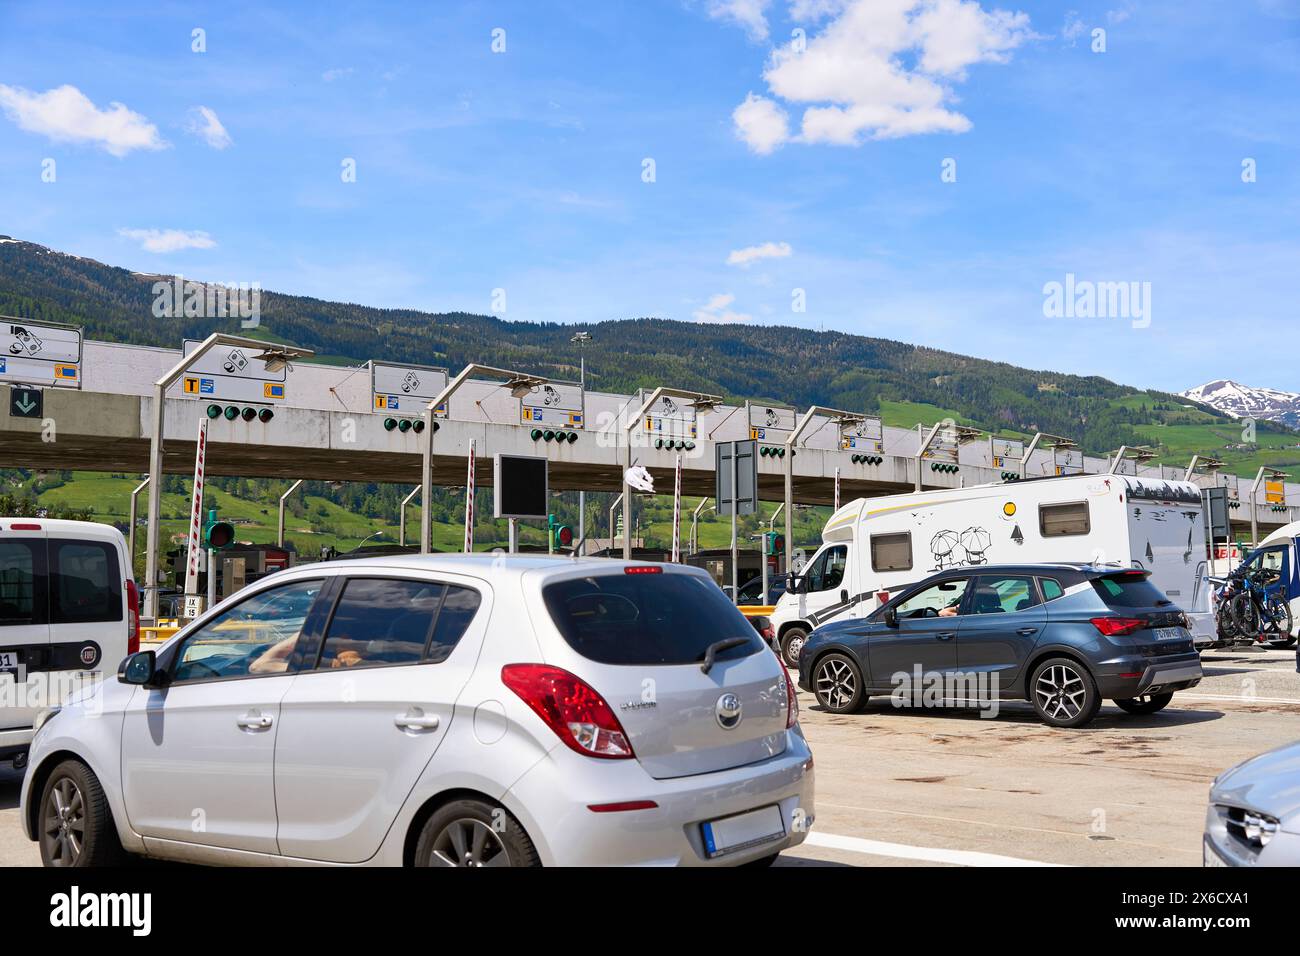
(891, 552)
(1056, 521)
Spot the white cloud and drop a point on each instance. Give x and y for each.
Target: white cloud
(168, 240)
(1119, 15)
(715, 310)
(761, 124)
(749, 14)
(880, 69)
(750, 254)
(66, 115)
(1074, 28)
(337, 73)
(204, 124)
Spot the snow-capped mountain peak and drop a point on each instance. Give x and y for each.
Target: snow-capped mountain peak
(1243, 401)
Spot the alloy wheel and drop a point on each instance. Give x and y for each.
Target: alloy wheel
(468, 842)
(64, 830)
(836, 684)
(1060, 692)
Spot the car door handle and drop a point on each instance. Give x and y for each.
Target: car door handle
(253, 720)
(416, 719)
(1026, 631)
(946, 635)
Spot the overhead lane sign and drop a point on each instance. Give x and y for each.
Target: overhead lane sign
(867, 435)
(40, 353)
(233, 373)
(770, 422)
(554, 404)
(406, 388)
(668, 418)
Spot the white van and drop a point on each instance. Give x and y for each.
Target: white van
(69, 613)
(874, 546)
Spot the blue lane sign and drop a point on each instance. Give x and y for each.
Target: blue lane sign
(2, 364)
(206, 386)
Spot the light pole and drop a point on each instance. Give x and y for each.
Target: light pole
(279, 522)
(581, 339)
(699, 400)
(275, 357)
(519, 383)
(401, 520)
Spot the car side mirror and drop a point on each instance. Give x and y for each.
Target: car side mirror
(139, 668)
(891, 617)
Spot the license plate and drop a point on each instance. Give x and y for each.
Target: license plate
(1170, 634)
(8, 660)
(1209, 857)
(731, 834)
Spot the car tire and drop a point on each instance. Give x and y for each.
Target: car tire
(837, 684)
(792, 642)
(1063, 693)
(474, 833)
(74, 821)
(1146, 704)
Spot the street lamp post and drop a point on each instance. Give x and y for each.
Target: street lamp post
(267, 352)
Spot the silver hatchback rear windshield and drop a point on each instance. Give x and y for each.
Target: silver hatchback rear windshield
(647, 619)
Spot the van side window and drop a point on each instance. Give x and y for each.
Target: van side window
(18, 584)
(827, 572)
(85, 586)
(891, 552)
(1051, 588)
(1056, 521)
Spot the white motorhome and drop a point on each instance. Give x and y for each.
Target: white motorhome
(874, 546)
(1278, 553)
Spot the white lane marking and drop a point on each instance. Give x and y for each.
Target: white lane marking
(928, 854)
(1244, 700)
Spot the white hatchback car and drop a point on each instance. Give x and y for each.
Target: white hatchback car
(461, 710)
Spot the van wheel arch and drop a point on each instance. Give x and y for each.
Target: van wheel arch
(41, 775)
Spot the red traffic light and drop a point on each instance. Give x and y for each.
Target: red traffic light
(564, 535)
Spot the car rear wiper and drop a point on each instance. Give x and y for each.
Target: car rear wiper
(717, 647)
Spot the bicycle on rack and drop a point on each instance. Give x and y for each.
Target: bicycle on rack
(1260, 614)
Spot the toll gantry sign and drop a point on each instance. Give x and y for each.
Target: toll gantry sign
(1004, 450)
(867, 435)
(406, 388)
(231, 373)
(1067, 461)
(770, 422)
(40, 353)
(554, 405)
(668, 418)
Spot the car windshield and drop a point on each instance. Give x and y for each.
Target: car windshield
(1129, 589)
(647, 619)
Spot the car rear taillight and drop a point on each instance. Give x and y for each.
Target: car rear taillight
(1118, 626)
(570, 707)
(643, 569)
(132, 618)
(24, 527)
(791, 699)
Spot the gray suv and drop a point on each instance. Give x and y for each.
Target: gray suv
(1062, 636)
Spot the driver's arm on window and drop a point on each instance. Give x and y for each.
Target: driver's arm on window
(275, 659)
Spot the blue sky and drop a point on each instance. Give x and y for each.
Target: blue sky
(780, 163)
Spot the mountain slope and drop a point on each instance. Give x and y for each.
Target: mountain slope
(1243, 401)
(902, 382)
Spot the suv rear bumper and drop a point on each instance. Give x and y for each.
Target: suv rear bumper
(1162, 676)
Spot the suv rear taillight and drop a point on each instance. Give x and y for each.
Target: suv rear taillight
(1118, 626)
(132, 618)
(570, 707)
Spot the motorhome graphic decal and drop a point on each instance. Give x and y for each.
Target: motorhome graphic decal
(952, 549)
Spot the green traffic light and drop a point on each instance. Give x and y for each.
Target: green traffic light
(390, 424)
(214, 411)
(231, 413)
(404, 425)
(535, 434)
